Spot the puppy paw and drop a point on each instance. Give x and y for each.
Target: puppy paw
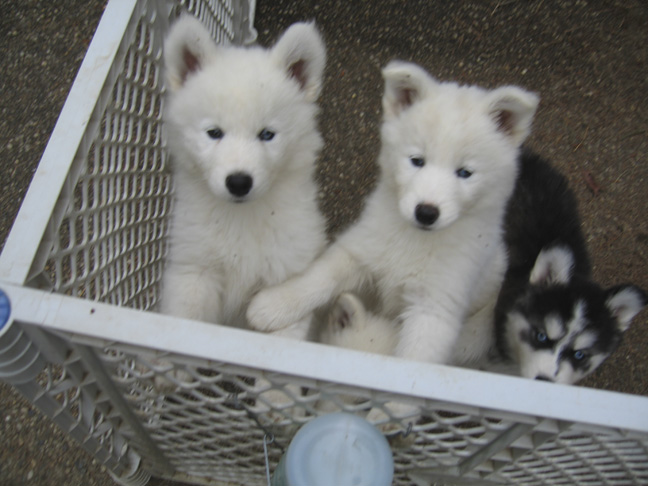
(298, 330)
(273, 309)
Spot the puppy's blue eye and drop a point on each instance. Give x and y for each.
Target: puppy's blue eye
(463, 173)
(541, 337)
(417, 161)
(579, 355)
(215, 133)
(266, 135)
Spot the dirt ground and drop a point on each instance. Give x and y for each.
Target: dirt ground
(587, 60)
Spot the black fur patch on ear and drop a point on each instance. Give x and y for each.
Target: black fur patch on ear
(297, 70)
(191, 63)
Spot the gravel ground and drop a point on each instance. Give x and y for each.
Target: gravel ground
(587, 60)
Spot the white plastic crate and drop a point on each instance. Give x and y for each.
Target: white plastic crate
(81, 272)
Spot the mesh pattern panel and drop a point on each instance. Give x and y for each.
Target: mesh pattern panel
(576, 458)
(211, 419)
(70, 396)
(217, 16)
(111, 241)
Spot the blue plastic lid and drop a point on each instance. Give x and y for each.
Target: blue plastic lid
(5, 309)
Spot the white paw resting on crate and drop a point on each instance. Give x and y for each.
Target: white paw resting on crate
(298, 330)
(274, 309)
(333, 272)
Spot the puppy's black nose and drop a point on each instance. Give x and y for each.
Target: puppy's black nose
(238, 184)
(543, 378)
(426, 214)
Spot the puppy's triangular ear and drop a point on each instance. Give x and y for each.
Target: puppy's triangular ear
(186, 50)
(625, 302)
(553, 266)
(301, 53)
(348, 311)
(512, 110)
(405, 84)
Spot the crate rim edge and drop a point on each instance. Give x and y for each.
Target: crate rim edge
(486, 391)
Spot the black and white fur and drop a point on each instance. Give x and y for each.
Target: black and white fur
(551, 319)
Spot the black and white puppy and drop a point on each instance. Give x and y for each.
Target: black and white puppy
(551, 319)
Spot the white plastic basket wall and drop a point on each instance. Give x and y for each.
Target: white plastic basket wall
(81, 271)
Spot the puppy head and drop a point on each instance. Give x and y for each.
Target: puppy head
(236, 115)
(351, 326)
(563, 328)
(450, 150)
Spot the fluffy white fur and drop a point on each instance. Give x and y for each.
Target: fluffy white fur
(351, 326)
(451, 150)
(242, 131)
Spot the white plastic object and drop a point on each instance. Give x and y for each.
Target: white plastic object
(336, 449)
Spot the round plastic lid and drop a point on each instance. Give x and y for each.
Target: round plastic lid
(339, 449)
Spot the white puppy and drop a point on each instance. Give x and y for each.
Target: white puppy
(430, 236)
(242, 131)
